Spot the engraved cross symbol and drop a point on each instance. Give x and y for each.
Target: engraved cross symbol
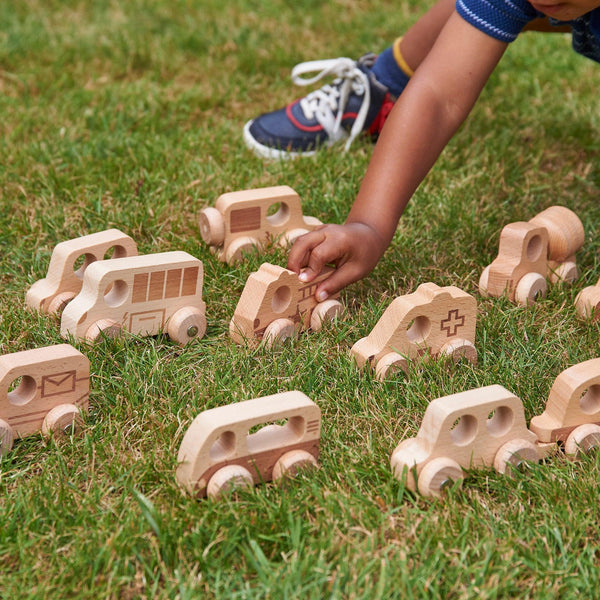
(452, 323)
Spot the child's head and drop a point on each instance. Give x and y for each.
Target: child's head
(564, 10)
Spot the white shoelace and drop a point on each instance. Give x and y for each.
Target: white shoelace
(322, 103)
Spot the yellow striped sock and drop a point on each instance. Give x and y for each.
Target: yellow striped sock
(400, 59)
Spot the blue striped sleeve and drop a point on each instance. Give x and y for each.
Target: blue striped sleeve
(500, 19)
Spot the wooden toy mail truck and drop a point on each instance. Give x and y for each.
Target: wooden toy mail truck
(433, 319)
(530, 251)
(42, 390)
(142, 295)
(275, 305)
(219, 451)
(68, 263)
(246, 220)
(486, 427)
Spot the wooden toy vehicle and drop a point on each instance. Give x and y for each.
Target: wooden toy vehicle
(218, 451)
(241, 221)
(481, 427)
(486, 426)
(433, 319)
(587, 302)
(572, 413)
(139, 294)
(42, 390)
(275, 305)
(68, 263)
(531, 251)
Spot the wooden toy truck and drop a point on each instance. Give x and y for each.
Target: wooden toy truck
(139, 294)
(486, 427)
(241, 221)
(275, 305)
(433, 319)
(218, 451)
(68, 263)
(531, 251)
(42, 390)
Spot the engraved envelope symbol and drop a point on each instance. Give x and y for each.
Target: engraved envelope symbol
(58, 383)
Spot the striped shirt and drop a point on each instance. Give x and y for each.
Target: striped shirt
(505, 19)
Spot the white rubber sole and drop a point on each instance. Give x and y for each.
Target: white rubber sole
(267, 152)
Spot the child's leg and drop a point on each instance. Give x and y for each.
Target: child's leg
(358, 100)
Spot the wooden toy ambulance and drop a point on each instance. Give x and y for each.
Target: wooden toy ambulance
(275, 305)
(219, 451)
(142, 295)
(241, 221)
(486, 427)
(530, 251)
(433, 319)
(68, 263)
(44, 389)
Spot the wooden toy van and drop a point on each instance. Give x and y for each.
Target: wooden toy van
(223, 448)
(142, 295)
(68, 263)
(44, 389)
(275, 305)
(481, 427)
(435, 320)
(241, 221)
(530, 251)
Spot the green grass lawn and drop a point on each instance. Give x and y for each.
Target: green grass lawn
(129, 115)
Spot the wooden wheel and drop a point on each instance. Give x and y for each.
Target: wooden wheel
(483, 282)
(515, 455)
(187, 324)
(64, 419)
(7, 437)
(566, 271)
(291, 236)
(58, 303)
(437, 475)
(584, 438)
(460, 349)
(278, 332)
(389, 364)
(325, 311)
(530, 289)
(587, 302)
(212, 226)
(237, 247)
(291, 462)
(103, 328)
(228, 478)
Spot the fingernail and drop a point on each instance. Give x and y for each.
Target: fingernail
(303, 276)
(322, 296)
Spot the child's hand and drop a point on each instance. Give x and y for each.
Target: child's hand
(353, 248)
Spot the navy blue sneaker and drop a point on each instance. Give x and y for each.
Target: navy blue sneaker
(353, 103)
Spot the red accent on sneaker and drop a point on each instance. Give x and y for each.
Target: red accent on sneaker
(382, 115)
(312, 128)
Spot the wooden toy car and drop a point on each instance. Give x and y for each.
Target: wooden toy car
(481, 427)
(139, 294)
(275, 305)
(241, 221)
(42, 390)
(486, 426)
(572, 413)
(440, 321)
(219, 451)
(68, 263)
(531, 251)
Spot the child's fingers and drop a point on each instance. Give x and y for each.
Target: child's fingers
(301, 253)
(344, 275)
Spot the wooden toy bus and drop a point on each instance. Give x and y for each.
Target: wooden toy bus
(275, 305)
(44, 389)
(246, 443)
(529, 252)
(432, 320)
(246, 220)
(68, 263)
(486, 427)
(142, 295)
